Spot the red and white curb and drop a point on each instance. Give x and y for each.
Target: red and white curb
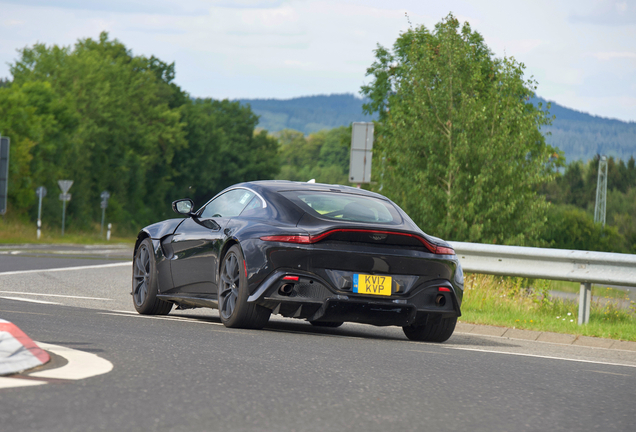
(17, 351)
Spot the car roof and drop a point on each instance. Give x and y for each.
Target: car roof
(286, 185)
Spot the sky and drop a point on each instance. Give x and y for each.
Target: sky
(581, 52)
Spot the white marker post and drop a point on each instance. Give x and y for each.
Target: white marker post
(41, 193)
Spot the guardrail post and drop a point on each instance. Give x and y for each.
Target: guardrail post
(585, 298)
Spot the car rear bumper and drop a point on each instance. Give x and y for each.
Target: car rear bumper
(315, 298)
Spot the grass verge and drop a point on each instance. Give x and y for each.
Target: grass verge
(597, 290)
(16, 231)
(510, 302)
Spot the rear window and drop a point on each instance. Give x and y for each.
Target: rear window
(344, 207)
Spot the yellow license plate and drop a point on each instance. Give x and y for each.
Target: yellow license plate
(372, 284)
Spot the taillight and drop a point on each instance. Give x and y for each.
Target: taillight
(304, 239)
(443, 289)
(308, 239)
(441, 250)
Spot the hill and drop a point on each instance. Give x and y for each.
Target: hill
(578, 134)
(309, 113)
(582, 136)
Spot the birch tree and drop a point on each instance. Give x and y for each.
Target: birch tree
(459, 146)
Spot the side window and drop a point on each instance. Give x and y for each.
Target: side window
(253, 208)
(230, 204)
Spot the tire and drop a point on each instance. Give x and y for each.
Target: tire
(234, 310)
(145, 282)
(328, 324)
(440, 332)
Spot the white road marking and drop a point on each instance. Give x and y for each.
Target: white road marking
(18, 382)
(609, 373)
(541, 356)
(29, 300)
(119, 264)
(54, 295)
(165, 318)
(80, 364)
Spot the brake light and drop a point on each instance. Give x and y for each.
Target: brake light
(291, 278)
(443, 289)
(308, 239)
(303, 239)
(441, 250)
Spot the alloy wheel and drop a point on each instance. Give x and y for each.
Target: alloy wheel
(141, 275)
(230, 279)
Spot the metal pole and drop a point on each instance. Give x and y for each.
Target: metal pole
(63, 216)
(108, 232)
(585, 299)
(39, 216)
(101, 234)
(601, 192)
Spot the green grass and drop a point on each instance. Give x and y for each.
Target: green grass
(507, 302)
(597, 290)
(16, 231)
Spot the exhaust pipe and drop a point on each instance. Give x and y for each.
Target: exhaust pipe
(440, 300)
(286, 289)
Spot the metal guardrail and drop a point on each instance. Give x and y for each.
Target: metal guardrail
(552, 264)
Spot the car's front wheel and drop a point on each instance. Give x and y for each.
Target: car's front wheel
(439, 332)
(145, 282)
(234, 309)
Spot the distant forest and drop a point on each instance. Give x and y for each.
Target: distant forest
(579, 135)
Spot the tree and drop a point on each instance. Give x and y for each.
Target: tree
(323, 155)
(458, 143)
(111, 127)
(222, 149)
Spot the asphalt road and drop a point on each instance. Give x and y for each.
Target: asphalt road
(186, 372)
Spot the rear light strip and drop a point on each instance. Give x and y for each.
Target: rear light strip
(309, 239)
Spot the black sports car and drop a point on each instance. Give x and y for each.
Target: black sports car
(324, 253)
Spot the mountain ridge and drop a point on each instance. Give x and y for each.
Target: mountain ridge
(580, 135)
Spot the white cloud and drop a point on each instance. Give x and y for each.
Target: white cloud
(287, 48)
(614, 55)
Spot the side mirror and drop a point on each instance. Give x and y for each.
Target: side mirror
(183, 206)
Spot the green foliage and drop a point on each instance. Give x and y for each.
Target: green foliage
(458, 143)
(222, 149)
(109, 120)
(569, 227)
(323, 155)
(113, 127)
(573, 193)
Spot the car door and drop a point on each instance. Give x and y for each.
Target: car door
(197, 242)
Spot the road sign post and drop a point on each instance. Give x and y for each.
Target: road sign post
(4, 173)
(65, 185)
(41, 193)
(361, 152)
(104, 195)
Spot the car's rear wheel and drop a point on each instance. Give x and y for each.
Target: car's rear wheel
(439, 332)
(234, 309)
(330, 324)
(145, 282)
